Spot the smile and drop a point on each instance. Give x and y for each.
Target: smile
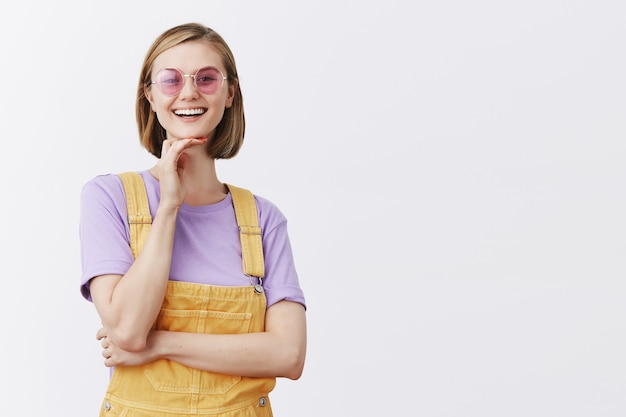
(189, 112)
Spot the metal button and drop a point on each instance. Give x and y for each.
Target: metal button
(262, 402)
(107, 406)
(258, 289)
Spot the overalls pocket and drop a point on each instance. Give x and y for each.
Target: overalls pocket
(168, 376)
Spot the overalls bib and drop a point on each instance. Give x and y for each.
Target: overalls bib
(165, 388)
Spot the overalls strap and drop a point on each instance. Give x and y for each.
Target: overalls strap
(140, 221)
(139, 217)
(249, 231)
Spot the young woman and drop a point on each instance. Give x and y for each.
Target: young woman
(199, 298)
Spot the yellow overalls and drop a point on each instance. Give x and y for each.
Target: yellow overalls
(165, 388)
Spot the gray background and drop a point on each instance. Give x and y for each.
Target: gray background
(452, 172)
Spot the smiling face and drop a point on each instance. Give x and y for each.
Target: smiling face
(190, 113)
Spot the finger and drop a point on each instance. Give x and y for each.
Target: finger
(174, 154)
(100, 333)
(196, 141)
(172, 149)
(108, 362)
(182, 144)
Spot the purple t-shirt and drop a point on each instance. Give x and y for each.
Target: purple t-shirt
(207, 247)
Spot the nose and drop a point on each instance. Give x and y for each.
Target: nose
(189, 87)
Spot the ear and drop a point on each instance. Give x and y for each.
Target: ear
(231, 94)
(148, 93)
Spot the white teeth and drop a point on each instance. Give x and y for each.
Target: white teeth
(188, 112)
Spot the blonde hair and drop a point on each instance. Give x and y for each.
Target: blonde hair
(229, 132)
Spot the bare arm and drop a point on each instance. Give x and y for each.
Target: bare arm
(128, 305)
(279, 351)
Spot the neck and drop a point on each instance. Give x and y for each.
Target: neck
(202, 187)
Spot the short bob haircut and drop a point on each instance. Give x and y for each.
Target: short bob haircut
(229, 132)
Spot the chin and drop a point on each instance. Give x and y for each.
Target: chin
(194, 135)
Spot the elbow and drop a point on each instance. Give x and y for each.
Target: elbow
(294, 365)
(294, 374)
(130, 341)
(133, 345)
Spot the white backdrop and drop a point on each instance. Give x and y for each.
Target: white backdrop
(452, 171)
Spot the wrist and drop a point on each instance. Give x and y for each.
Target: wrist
(166, 209)
(156, 345)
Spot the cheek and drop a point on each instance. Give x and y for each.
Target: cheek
(163, 115)
(161, 107)
(225, 102)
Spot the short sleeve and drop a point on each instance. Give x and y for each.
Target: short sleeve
(103, 230)
(281, 280)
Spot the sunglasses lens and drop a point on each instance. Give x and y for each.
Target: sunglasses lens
(208, 80)
(170, 81)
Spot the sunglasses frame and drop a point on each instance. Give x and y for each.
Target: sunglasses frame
(185, 76)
